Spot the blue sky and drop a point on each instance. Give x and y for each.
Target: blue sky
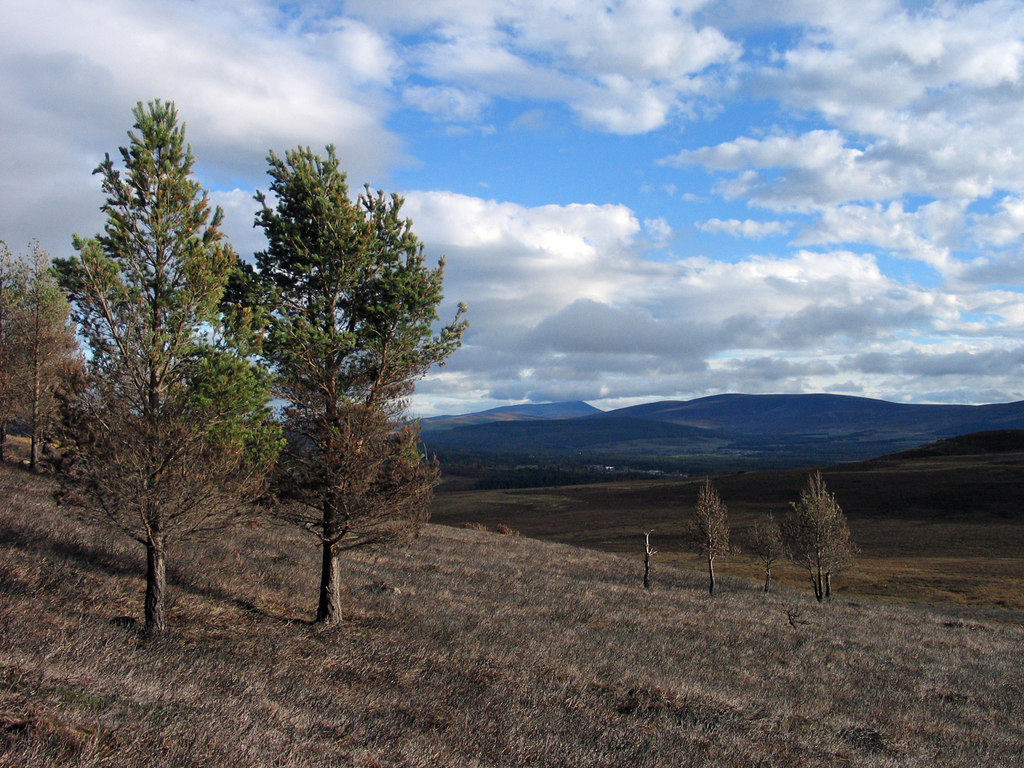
(638, 200)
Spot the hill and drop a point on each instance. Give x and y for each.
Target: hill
(511, 413)
(942, 523)
(720, 433)
(469, 649)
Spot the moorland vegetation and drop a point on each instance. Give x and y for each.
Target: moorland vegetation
(470, 648)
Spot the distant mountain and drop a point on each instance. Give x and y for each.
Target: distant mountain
(731, 431)
(827, 415)
(525, 412)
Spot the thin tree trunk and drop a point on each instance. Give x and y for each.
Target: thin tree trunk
(711, 576)
(648, 551)
(156, 586)
(329, 609)
(768, 579)
(828, 585)
(33, 457)
(3, 440)
(818, 590)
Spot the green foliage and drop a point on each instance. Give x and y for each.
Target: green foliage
(142, 291)
(353, 300)
(173, 435)
(351, 307)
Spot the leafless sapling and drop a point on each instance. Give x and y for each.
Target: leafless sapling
(817, 535)
(708, 530)
(649, 552)
(765, 541)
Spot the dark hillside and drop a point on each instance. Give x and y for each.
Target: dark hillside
(726, 433)
(469, 649)
(825, 414)
(525, 412)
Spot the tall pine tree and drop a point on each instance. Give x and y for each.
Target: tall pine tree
(172, 435)
(352, 307)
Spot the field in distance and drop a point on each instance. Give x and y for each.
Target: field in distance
(942, 524)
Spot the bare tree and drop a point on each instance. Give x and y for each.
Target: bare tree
(817, 536)
(765, 541)
(9, 342)
(708, 531)
(649, 552)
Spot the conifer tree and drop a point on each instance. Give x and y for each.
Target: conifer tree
(352, 308)
(172, 434)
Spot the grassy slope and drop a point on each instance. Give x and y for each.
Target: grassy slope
(934, 528)
(469, 649)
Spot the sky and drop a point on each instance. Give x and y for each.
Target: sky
(638, 200)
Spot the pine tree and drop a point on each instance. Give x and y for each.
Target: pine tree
(172, 434)
(352, 306)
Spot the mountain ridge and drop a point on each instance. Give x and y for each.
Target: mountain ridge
(735, 431)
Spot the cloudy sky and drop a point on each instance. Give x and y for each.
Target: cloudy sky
(638, 199)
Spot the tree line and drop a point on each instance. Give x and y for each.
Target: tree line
(212, 389)
(814, 535)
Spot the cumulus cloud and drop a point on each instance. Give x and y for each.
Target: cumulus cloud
(879, 136)
(747, 228)
(573, 52)
(243, 82)
(599, 318)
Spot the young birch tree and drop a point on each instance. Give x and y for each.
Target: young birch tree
(10, 348)
(709, 528)
(817, 536)
(50, 356)
(352, 307)
(171, 436)
(766, 542)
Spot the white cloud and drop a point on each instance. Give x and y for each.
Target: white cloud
(747, 228)
(1003, 227)
(242, 80)
(446, 103)
(573, 51)
(925, 235)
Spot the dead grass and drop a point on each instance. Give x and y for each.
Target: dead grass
(470, 648)
(946, 531)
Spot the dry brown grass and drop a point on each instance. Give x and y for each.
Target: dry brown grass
(470, 648)
(947, 531)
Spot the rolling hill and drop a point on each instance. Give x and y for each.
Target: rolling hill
(732, 431)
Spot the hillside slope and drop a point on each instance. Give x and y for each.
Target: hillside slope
(724, 432)
(941, 523)
(469, 649)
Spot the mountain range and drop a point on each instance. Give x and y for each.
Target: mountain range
(730, 431)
